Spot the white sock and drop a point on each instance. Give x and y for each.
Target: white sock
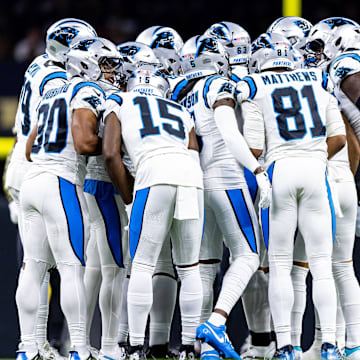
(217, 319)
(28, 301)
(256, 303)
(43, 313)
(140, 299)
(281, 298)
(349, 296)
(236, 280)
(324, 296)
(110, 306)
(340, 326)
(92, 282)
(123, 330)
(190, 301)
(207, 274)
(298, 278)
(162, 310)
(73, 303)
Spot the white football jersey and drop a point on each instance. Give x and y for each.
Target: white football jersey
(346, 64)
(53, 149)
(155, 132)
(293, 111)
(221, 170)
(41, 75)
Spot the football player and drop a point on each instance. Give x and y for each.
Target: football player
(158, 136)
(208, 95)
(55, 219)
(281, 114)
(45, 71)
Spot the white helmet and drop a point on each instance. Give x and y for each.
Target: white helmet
(135, 55)
(271, 51)
(92, 59)
(294, 28)
(166, 43)
(346, 38)
(320, 47)
(149, 82)
(234, 38)
(202, 56)
(63, 33)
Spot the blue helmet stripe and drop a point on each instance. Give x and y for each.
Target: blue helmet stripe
(207, 86)
(55, 75)
(86, 83)
(250, 81)
(178, 88)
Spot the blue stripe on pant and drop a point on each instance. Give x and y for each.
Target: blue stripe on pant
(136, 219)
(251, 183)
(265, 212)
(333, 217)
(243, 217)
(74, 218)
(111, 219)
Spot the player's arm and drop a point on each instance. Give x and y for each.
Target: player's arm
(29, 143)
(226, 122)
(336, 134)
(111, 148)
(84, 132)
(350, 87)
(353, 146)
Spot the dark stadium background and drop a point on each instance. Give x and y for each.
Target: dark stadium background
(26, 21)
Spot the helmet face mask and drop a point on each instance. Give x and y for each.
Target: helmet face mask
(97, 60)
(62, 34)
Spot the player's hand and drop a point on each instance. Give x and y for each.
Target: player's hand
(263, 182)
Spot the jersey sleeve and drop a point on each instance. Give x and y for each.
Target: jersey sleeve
(217, 88)
(245, 89)
(52, 80)
(112, 104)
(254, 126)
(344, 66)
(88, 96)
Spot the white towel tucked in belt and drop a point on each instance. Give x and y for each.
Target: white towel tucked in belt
(186, 206)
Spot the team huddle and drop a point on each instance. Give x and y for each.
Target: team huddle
(134, 163)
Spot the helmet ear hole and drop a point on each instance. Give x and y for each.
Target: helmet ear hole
(337, 43)
(84, 65)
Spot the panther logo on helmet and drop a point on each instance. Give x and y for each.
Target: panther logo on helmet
(129, 50)
(84, 44)
(207, 45)
(336, 22)
(163, 39)
(64, 35)
(304, 26)
(219, 33)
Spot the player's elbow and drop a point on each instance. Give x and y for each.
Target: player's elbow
(335, 144)
(109, 156)
(86, 146)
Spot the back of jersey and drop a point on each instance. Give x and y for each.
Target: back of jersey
(155, 132)
(53, 149)
(221, 170)
(293, 105)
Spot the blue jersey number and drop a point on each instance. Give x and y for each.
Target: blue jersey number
(163, 107)
(294, 112)
(47, 115)
(25, 107)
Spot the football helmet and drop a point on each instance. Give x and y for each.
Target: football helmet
(166, 43)
(234, 38)
(149, 82)
(320, 47)
(202, 56)
(271, 51)
(294, 28)
(63, 33)
(134, 55)
(95, 59)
